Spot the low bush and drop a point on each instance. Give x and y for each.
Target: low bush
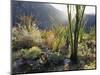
(25, 36)
(31, 53)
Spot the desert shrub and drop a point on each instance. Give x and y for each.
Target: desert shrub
(25, 42)
(31, 53)
(25, 60)
(48, 38)
(56, 59)
(58, 44)
(35, 51)
(54, 38)
(91, 65)
(92, 33)
(55, 44)
(25, 35)
(60, 37)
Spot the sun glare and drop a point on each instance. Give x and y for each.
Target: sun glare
(63, 8)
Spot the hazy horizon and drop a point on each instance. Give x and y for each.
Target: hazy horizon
(63, 8)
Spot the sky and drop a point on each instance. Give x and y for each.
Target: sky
(63, 8)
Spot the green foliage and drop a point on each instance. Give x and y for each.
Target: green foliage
(91, 65)
(34, 51)
(27, 53)
(92, 33)
(60, 37)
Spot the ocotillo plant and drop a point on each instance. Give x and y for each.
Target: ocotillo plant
(74, 34)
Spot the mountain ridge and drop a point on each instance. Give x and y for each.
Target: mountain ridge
(45, 14)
